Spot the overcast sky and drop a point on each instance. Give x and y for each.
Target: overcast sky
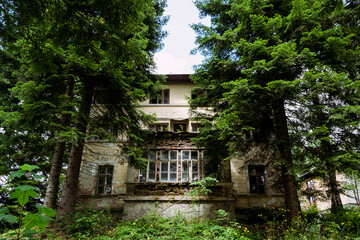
(175, 56)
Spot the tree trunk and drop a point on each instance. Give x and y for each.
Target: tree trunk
(56, 165)
(69, 194)
(334, 188)
(283, 142)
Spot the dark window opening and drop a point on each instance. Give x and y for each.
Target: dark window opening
(179, 127)
(159, 127)
(257, 178)
(162, 98)
(105, 175)
(195, 127)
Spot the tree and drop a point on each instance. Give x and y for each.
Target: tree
(326, 112)
(258, 56)
(98, 45)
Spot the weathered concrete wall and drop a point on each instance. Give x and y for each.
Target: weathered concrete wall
(164, 206)
(97, 154)
(256, 154)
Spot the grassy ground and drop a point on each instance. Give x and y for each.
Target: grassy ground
(91, 224)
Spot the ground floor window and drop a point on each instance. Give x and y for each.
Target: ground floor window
(173, 166)
(257, 178)
(105, 175)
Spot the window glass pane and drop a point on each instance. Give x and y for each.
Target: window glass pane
(173, 155)
(194, 167)
(164, 167)
(108, 180)
(252, 179)
(109, 170)
(173, 167)
(185, 177)
(195, 177)
(151, 176)
(163, 177)
(100, 189)
(253, 189)
(164, 155)
(102, 170)
(158, 128)
(194, 155)
(173, 177)
(152, 166)
(101, 180)
(152, 155)
(166, 96)
(185, 155)
(184, 167)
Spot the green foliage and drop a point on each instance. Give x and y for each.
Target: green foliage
(28, 222)
(88, 223)
(202, 187)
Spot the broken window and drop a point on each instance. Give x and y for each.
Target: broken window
(172, 166)
(180, 127)
(104, 182)
(195, 127)
(159, 127)
(162, 98)
(189, 166)
(257, 178)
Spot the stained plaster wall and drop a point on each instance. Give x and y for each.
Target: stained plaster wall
(256, 154)
(98, 154)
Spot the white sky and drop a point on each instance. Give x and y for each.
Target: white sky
(175, 56)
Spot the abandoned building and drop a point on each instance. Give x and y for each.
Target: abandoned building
(108, 181)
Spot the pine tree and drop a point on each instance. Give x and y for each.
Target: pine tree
(258, 57)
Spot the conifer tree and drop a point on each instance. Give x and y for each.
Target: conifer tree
(258, 56)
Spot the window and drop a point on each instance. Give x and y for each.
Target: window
(257, 178)
(310, 190)
(159, 127)
(163, 98)
(105, 179)
(168, 166)
(189, 166)
(180, 127)
(152, 166)
(195, 127)
(172, 166)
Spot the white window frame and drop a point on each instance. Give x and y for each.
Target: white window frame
(190, 161)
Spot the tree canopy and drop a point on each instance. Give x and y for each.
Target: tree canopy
(260, 57)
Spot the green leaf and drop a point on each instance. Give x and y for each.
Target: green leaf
(46, 211)
(8, 218)
(27, 167)
(36, 219)
(4, 210)
(23, 192)
(16, 174)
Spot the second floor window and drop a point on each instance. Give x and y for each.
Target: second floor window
(162, 98)
(159, 127)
